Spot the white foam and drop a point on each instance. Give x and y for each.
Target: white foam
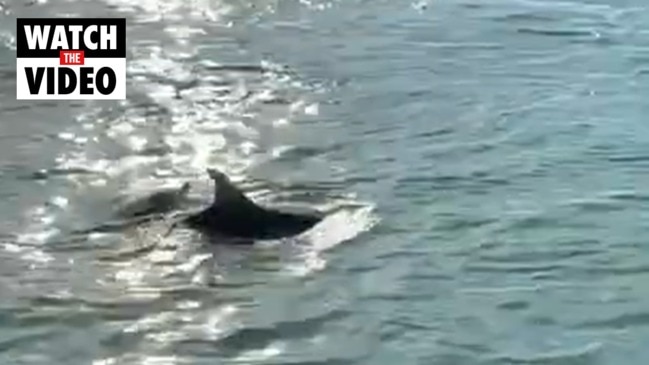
(66, 136)
(341, 227)
(37, 256)
(160, 360)
(106, 361)
(259, 355)
(334, 230)
(280, 122)
(37, 237)
(60, 201)
(312, 109)
(137, 143)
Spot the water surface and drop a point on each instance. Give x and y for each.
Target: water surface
(483, 163)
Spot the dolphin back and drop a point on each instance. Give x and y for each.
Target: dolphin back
(233, 214)
(251, 222)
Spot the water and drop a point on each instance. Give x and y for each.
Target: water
(483, 163)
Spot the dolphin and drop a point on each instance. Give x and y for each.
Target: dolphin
(234, 215)
(133, 211)
(158, 203)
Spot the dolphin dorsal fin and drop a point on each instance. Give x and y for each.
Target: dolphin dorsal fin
(225, 192)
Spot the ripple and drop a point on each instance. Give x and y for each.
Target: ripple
(531, 256)
(557, 32)
(511, 268)
(249, 339)
(254, 68)
(26, 338)
(622, 321)
(628, 195)
(597, 205)
(617, 270)
(514, 305)
(582, 355)
(629, 158)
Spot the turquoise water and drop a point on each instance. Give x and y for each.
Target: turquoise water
(483, 162)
